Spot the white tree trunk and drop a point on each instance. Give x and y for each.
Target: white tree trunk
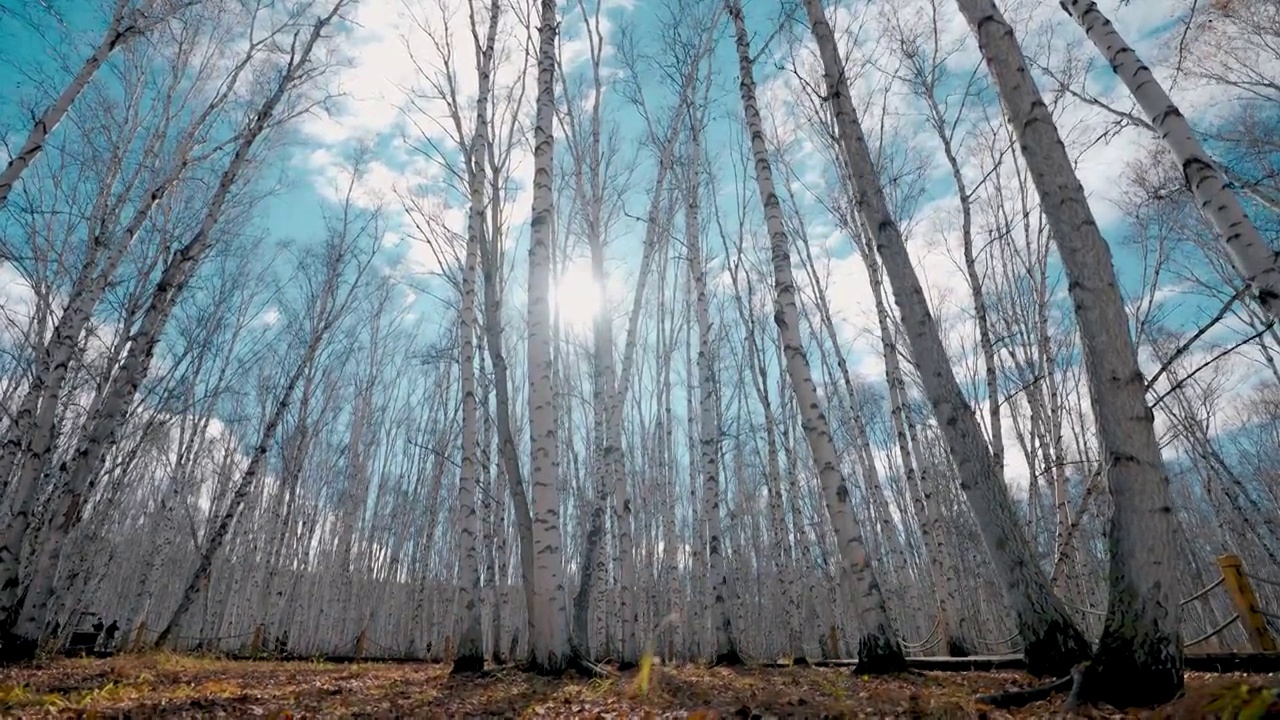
(1053, 644)
(878, 649)
(708, 409)
(470, 653)
(550, 626)
(1252, 255)
(1139, 658)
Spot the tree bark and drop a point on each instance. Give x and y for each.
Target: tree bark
(1139, 658)
(1053, 643)
(878, 649)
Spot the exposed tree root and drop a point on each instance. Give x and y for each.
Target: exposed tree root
(1026, 696)
(579, 663)
(572, 663)
(1075, 698)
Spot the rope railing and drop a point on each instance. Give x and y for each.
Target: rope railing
(928, 642)
(1263, 580)
(1226, 624)
(998, 643)
(1209, 588)
(1233, 576)
(1199, 594)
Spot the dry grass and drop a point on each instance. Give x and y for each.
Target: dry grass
(174, 686)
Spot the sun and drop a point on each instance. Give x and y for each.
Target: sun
(576, 297)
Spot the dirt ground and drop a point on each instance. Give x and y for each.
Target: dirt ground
(173, 686)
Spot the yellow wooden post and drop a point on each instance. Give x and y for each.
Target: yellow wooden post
(1246, 603)
(360, 644)
(138, 635)
(255, 645)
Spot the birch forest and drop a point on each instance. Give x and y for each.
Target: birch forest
(569, 334)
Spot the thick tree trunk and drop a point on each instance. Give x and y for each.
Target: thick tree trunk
(1053, 644)
(1139, 658)
(708, 411)
(470, 653)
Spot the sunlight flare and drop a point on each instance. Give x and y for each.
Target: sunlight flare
(576, 298)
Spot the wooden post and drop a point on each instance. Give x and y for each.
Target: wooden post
(1246, 603)
(361, 642)
(255, 645)
(138, 637)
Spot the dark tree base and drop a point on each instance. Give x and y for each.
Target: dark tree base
(626, 665)
(731, 658)
(468, 665)
(1057, 650)
(1133, 674)
(878, 655)
(15, 650)
(558, 665)
(957, 649)
(555, 666)
(799, 661)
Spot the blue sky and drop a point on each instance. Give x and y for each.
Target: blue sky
(372, 109)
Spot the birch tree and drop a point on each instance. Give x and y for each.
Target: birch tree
(549, 624)
(709, 436)
(1053, 644)
(878, 649)
(470, 654)
(127, 23)
(1139, 658)
(1253, 257)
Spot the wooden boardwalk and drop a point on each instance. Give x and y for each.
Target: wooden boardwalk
(1250, 662)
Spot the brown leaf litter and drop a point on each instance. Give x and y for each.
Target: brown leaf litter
(174, 686)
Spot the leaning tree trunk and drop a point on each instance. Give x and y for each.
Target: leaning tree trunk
(1252, 255)
(1053, 643)
(878, 649)
(80, 472)
(122, 29)
(1139, 658)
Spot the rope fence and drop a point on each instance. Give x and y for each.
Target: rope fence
(1256, 623)
(1229, 621)
(1263, 580)
(1254, 619)
(929, 641)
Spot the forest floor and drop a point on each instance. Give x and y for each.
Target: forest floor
(166, 685)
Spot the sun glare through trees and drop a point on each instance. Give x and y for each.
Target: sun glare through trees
(594, 356)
